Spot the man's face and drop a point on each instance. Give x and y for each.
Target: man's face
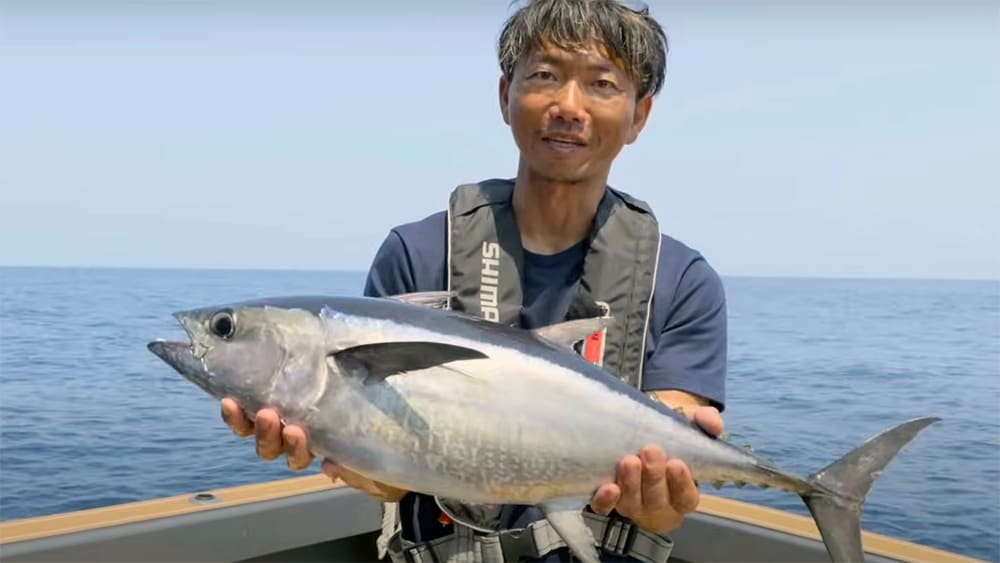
(571, 112)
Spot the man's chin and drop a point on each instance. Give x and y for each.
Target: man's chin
(561, 174)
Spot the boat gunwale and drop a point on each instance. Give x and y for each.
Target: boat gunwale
(46, 526)
(38, 527)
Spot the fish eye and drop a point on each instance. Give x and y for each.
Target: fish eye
(223, 324)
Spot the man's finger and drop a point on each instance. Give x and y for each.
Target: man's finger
(684, 496)
(236, 419)
(268, 430)
(331, 469)
(350, 478)
(655, 493)
(605, 498)
(630, 482)
(296, 448)
(710, 420)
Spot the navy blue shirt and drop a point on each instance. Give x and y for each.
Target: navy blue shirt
(686, 341)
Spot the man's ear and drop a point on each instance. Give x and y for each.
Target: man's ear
(639, 118)
(504, 94)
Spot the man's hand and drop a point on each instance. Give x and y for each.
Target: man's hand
(651, 490)
(380, 491)
(274, 440)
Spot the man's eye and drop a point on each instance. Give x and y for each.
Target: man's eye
(542, 74)
(605, 84)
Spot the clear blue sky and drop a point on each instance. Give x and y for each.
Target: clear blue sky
(813, 138)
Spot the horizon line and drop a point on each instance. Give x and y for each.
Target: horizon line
(273, 269)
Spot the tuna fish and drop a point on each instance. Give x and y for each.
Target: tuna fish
(409, 393)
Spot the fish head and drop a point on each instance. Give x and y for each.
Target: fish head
(249, 352)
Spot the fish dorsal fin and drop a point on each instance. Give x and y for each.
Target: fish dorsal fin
(382, 359)
(567, 334)
(432, 299)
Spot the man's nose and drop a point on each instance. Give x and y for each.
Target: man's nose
(569, 102)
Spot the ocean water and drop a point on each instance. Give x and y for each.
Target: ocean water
(88, 417)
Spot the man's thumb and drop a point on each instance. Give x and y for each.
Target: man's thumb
(331, 469)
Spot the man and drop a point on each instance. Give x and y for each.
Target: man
(578, 82)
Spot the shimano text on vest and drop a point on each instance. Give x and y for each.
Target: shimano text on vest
(488, 288)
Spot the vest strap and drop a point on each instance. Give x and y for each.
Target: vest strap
(612, 534)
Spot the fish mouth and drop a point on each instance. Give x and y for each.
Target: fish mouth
(181, 357)
(177, 354)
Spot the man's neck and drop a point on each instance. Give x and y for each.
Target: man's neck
(553, 216)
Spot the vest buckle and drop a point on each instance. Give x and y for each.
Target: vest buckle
(518, 543)
(619, 536)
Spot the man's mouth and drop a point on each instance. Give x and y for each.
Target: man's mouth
(564, 143)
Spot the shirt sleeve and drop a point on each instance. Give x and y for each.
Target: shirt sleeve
(390, 272)
(689, 353)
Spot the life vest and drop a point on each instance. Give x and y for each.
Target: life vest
(485, 261)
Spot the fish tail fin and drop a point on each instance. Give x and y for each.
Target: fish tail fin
(840, 488)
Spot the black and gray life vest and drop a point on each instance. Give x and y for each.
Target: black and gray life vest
(485, 264)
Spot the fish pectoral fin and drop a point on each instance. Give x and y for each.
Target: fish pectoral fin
(566, 517)
(382, 359)
(483, 517)
(567, 334)
(432, 299)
